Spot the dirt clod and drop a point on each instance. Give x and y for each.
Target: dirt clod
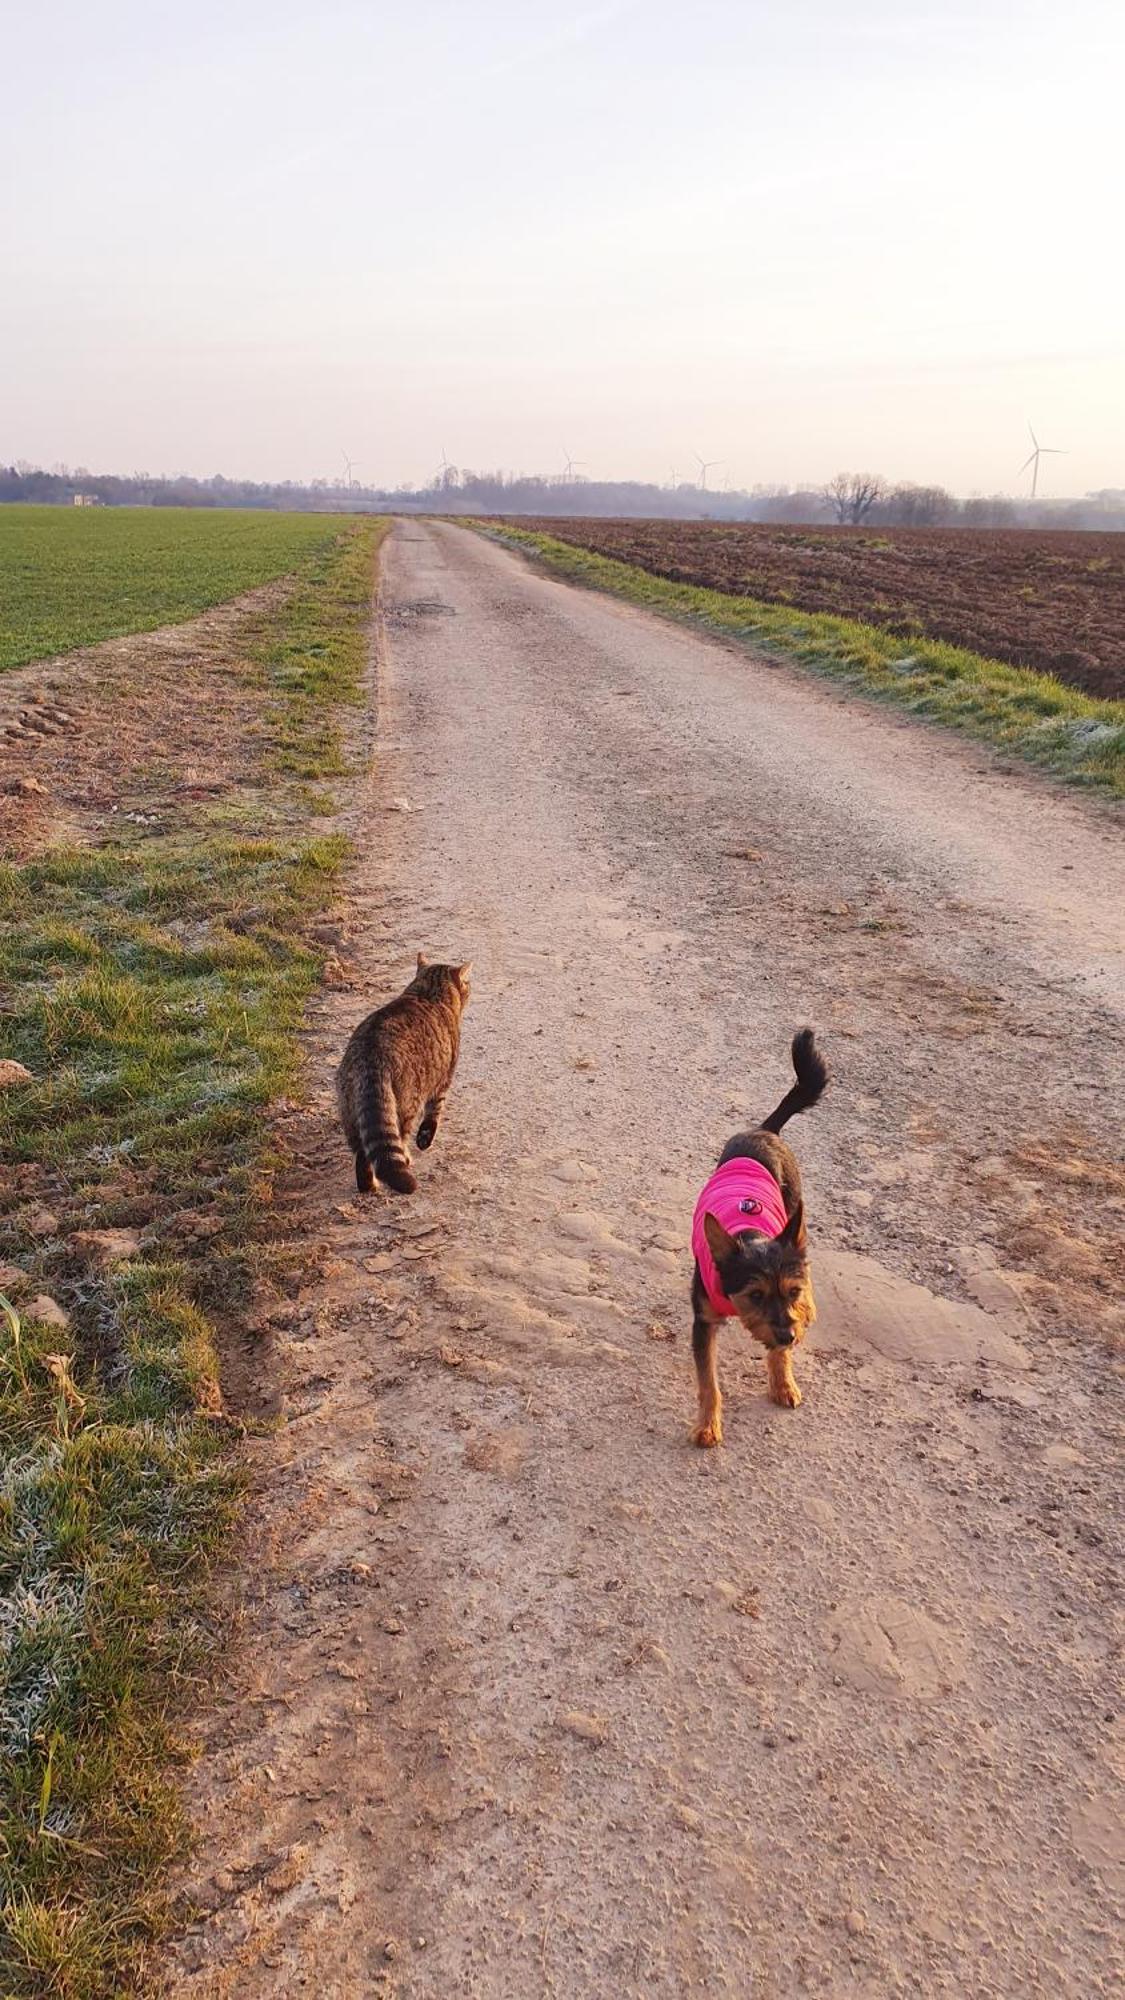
(47, 1311)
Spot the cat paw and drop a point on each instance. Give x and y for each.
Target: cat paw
(708, 1435)
(426, 1136)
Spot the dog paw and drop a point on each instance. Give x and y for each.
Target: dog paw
(707, 1435)
(426, 1135)
(786, 1394)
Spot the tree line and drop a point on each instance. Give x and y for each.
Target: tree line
(852, 498)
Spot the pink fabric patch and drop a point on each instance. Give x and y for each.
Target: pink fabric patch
(741, 1195)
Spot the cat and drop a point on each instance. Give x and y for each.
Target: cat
(398, 1064)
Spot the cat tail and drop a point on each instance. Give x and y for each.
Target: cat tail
(380, 1134)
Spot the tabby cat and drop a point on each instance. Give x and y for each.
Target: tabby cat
(399, 1064)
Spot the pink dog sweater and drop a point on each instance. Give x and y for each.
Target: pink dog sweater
(741, 1195)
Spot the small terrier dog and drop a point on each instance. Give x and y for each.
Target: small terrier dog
(748, 1235)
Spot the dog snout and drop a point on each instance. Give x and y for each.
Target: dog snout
(784, 1336)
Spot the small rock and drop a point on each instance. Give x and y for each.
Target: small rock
(12, 1279)
(854, 1923)
(284, 1314)
(393, 1625)
(591, 1728)
(47, 1311)
(769, 1740)
(288, 1871)
(13, 1072)
(688, 1818)
(400, 806)
(390, 1949)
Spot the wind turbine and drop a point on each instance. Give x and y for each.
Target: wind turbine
(349, 468)
(571, 465)
(1040, 451)
(705, 465)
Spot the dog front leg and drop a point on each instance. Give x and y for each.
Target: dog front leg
(783, 1388)
(709, 1430)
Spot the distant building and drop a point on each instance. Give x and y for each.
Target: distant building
(86, 500)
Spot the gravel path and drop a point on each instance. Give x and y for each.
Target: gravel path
(529, 1697)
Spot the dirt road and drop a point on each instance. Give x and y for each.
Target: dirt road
(529, 1697)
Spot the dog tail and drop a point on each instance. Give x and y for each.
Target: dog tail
(380, 1135)
(812, 1081)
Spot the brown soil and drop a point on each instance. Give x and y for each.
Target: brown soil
(1053, 601)
(527, 1697)
(150, 724)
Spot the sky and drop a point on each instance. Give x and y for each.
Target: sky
(793, 238)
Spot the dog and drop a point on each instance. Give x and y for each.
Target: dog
(751, 1260)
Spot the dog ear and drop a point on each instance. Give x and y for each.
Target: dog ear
(794, 1233)
(718, 1242)
(463, 972)
(422, 960)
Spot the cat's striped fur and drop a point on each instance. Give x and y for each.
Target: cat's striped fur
(396, 1070)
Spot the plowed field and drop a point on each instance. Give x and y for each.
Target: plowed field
(1052, 601)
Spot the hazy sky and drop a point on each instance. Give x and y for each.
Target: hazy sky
(245, 235)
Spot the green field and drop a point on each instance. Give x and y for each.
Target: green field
(71, 576)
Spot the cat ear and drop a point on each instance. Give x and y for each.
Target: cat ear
(463, 972)
(422, 960)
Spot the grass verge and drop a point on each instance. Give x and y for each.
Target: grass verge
(154, 988)
(1027, 715)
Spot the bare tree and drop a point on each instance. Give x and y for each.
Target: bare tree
(852, 495)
